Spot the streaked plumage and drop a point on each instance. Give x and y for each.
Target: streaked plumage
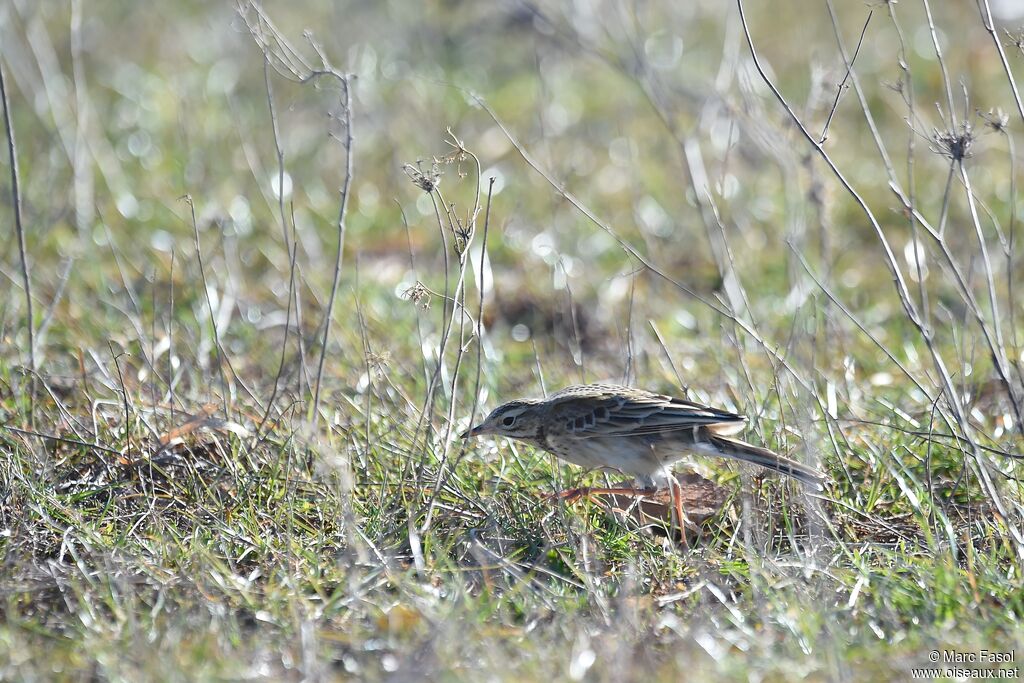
(631, 430)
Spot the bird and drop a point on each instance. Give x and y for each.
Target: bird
(637, 432)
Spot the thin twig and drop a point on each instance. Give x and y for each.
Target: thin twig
(170, 335)
(290, 242)
(124, 399)
(209, 305)
(346, 103)
(668, 357)
(1010, 249)
(942, 63)
(59, 439)
(990, 26)
(842, 85)
(19, 230)
(480, 305)
(998, 349)
(62, 282)
(284, 344)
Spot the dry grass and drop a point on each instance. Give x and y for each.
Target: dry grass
(267, 278)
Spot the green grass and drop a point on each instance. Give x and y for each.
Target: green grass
(171, 512)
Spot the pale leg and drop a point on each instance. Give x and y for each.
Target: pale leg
(677, 507)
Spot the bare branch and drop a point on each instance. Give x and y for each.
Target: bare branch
(19, 228)
(842, 85)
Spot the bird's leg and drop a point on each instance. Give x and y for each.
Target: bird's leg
(568, 495)
(677, 504)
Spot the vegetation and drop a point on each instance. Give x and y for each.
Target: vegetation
(265, 265)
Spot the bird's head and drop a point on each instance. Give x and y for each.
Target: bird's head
(515, 420)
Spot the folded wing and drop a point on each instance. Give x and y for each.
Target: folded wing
(617, 411)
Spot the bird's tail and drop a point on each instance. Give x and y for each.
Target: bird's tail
(741, 450)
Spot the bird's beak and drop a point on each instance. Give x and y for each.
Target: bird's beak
(470, 432)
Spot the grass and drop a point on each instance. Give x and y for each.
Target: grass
(175, 504)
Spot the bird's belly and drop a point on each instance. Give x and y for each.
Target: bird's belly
(635, 457)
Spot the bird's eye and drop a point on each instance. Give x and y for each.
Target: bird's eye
(509, 421)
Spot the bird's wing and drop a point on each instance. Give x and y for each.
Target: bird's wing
(604, 414)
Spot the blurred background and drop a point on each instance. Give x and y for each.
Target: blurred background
(656, 218)
(651, 115)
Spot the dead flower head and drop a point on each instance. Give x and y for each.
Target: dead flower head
(427, 179)
(378, 362)
(995, 119)
(418, 294)
(954, 143)
(1016, 38)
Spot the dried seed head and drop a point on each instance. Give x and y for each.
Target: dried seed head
(896, 86)
(426, 180)
(418, 294)
(954, 143)
(1016, 39)
(459, 151)
(996, 119)
(378, 362)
